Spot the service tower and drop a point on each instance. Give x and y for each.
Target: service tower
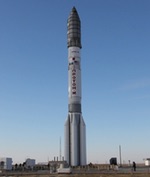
(75, 128)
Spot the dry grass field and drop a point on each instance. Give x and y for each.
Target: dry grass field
(87, 175)
(100, 171)
(80, 175)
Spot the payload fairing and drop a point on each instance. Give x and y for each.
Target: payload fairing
(75, 128)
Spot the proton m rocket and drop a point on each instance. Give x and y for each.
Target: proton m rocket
(75, 128)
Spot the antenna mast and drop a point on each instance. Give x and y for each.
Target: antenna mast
(60, 149)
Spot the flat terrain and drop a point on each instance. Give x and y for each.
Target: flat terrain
(90, 172)
(82, 175)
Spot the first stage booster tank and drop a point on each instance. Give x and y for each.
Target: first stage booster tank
(75, 128)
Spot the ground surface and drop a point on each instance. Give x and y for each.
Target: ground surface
(121, 172)
(82, 175)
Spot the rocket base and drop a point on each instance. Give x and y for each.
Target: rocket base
(75, 140)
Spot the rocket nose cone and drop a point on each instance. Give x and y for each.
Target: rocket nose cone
(74, 29)
(74, 14)
(74, 9)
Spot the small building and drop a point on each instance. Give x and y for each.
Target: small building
(5, 163)
(147, 162)
(30, 163)
(113, 161)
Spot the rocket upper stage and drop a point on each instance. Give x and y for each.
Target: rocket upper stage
(74, 29)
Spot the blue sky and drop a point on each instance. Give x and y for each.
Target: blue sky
(115, 78)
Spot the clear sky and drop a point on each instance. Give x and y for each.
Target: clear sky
(115, 78)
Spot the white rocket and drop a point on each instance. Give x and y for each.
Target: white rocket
(75, 128)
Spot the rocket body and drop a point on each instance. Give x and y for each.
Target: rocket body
(75, 129)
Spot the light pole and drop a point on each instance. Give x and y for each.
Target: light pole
(120, 155)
